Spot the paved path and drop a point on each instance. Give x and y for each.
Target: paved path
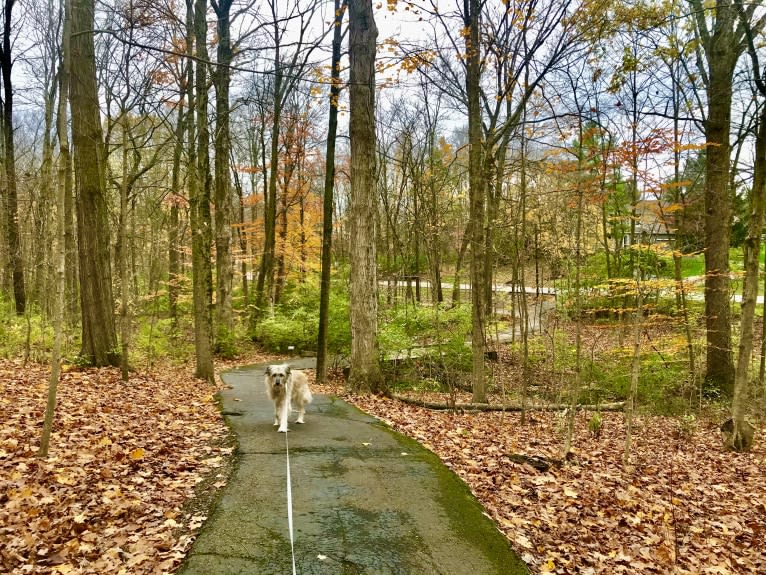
(365, 500)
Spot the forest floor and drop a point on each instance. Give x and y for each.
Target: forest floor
(133, 468)
(684, 507)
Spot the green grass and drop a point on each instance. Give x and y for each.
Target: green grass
(692, 266)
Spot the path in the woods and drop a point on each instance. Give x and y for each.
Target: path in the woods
(366, 500)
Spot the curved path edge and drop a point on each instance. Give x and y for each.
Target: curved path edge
(366, 500)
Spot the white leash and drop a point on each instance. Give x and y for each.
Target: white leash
(290, 505)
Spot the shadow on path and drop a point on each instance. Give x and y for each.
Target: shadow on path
(366, 500)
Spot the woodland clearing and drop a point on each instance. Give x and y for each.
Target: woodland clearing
(134, 467)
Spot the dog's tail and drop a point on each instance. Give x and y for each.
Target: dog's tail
(307, 397)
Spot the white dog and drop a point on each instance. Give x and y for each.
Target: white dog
(285, 386)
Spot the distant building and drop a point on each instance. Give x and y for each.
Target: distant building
(654, 224)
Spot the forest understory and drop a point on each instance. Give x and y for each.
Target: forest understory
(133, 471)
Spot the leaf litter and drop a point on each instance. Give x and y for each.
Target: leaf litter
(684, 507)
(117, 494)
(124, 462)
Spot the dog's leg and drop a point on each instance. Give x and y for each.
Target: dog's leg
(276, 415)
(301, 409)
(284, 412)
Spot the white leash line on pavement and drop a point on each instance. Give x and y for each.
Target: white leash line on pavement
(290, 504)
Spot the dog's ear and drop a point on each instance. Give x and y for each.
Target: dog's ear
(268, 370)
(287, 370)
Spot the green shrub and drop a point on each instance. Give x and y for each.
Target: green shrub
(296, 320)
(426, 344)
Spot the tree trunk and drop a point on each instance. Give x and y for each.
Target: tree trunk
(477, 200)
(99, 337)
(722, 51)
(199, 200)
(223, 203)
(265, 283)
(12, 214)
(741, 438)
(123, 255)
(365, 374)
(44, 254)
(60, 251)
(327, 203)
(174, 224)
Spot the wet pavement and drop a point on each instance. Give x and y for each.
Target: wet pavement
(366, 500)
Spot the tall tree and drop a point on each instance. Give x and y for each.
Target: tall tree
(99, 337)
(223, 197)
(289, 69)
(722, 38)
(741, 436)
(477, 195)
(365, 372)
(199, 189)
(60, 252)
(327, 202)
(9, 161)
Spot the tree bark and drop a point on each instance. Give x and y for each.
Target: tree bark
(199, 200)
(223, 199)
(477, 199)
(60, 251)
(9, 160)
(722, 50)
(327, 202)
(99, 337)
(365, 374)
(740, 440)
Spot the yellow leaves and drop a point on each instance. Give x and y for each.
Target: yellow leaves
(548, 567)
(137, 454)
(64, 479)
(412, 62)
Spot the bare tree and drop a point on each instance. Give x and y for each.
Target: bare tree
(99, 338)
(329, 185)
(365, 372)
(199, 188)
(9, 160)
(291, 60)
(60, 252)
(722, 39)
(223, 195)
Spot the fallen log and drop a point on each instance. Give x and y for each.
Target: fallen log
(617, 406)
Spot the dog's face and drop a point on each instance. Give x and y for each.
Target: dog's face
(278, 375)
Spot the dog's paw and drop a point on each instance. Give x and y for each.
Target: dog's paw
(282, 430)
(299, 420)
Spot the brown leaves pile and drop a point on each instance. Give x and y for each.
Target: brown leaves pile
(123, 461)
(686, 507)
